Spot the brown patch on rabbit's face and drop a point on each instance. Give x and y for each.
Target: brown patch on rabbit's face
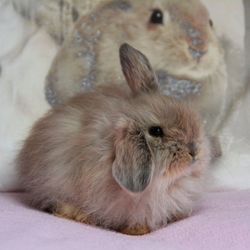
(182, 156)
(182, 142)
(182, 139)
(194, 28)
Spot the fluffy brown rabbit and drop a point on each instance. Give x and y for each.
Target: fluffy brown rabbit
(177, 36)
(124, 158)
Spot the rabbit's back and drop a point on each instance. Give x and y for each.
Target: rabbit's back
(66, 144)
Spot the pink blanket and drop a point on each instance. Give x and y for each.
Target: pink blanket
(221, 222)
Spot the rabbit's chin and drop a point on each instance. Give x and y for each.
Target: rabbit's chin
(208, 66)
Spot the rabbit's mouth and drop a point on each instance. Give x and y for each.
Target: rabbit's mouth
(177, 87)
(178, 169)
(196, 54)
(180, 159)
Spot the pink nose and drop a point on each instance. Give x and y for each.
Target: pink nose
(196, 54)
(197, 46)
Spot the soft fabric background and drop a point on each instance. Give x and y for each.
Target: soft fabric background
(25, 57)
(222, 222)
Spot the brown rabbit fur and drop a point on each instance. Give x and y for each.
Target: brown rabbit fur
(183, 49)
(123, 158)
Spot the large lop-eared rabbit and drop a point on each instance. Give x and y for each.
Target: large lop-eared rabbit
(177, 36)
(123, 157)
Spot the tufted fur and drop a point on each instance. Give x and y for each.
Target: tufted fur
(95, 153)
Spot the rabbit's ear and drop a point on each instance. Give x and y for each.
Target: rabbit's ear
(132, 168)
(137, 70)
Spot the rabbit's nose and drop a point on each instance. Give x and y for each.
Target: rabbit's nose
(192, 147)
(196, 54)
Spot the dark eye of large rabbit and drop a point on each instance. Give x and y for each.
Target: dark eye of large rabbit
(211, 23)
(75, 14)
(156, 131)
(157, 17)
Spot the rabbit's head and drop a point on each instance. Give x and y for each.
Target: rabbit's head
(156, 137)
(177, 36)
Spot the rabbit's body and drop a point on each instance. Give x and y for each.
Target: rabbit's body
(184, 47)
(89, 184)
(120, 157)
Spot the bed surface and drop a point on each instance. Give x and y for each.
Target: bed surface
(222, 221)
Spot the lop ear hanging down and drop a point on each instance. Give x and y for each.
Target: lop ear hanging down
(137, 70)
(132, 168)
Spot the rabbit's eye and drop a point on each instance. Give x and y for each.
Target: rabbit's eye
(156, 17)
(156, 131)
(211, 23)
